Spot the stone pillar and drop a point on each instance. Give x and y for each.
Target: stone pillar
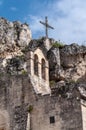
(28, 122)
(31, 63)
(47, 74)
(39, 67)
(83, 108)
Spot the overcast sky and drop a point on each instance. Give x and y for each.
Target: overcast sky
(68, 17)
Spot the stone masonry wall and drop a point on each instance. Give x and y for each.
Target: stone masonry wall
(14, 99)
(67, 114)
(17, 94)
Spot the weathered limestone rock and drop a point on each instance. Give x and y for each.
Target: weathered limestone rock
(82, 90)
(54, 63)
(14, 36)
(48, 43)
(73, 61)
(69, 63)
(20, 87)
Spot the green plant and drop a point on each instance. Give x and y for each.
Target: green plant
(21, 57)
(52, 82)
(25, 49)
(72, 81)
(58, 44)
(30, 109)
(24, 72)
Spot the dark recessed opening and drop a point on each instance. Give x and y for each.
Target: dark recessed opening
(52, 119)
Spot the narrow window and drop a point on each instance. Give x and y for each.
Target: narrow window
(36, 64)
(43, 67)
(52, 119)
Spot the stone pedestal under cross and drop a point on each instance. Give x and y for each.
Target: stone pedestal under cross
(46, 26)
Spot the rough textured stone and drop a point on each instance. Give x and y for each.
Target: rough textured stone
(14, 37)
(69, 63)
(17, 94)
(54, 63)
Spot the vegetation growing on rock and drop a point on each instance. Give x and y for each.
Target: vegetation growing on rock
(58, 44)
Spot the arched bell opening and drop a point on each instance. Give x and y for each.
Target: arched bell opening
(43, 69)
(36, 64)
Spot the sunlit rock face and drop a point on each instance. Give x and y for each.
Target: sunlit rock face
(67, 63)
(14, 36)
(73, 61)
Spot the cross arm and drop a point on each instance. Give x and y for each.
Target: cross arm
(42, 23)
(47, 25)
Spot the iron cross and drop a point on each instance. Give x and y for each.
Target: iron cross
(46, 26)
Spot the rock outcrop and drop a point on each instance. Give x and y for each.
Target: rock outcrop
(67, 63)
(68, 71)
(14, 36)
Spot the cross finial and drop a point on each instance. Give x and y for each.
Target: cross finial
(46, 26)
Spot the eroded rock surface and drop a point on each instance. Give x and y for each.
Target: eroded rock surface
(68, 63)
(13, 37)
